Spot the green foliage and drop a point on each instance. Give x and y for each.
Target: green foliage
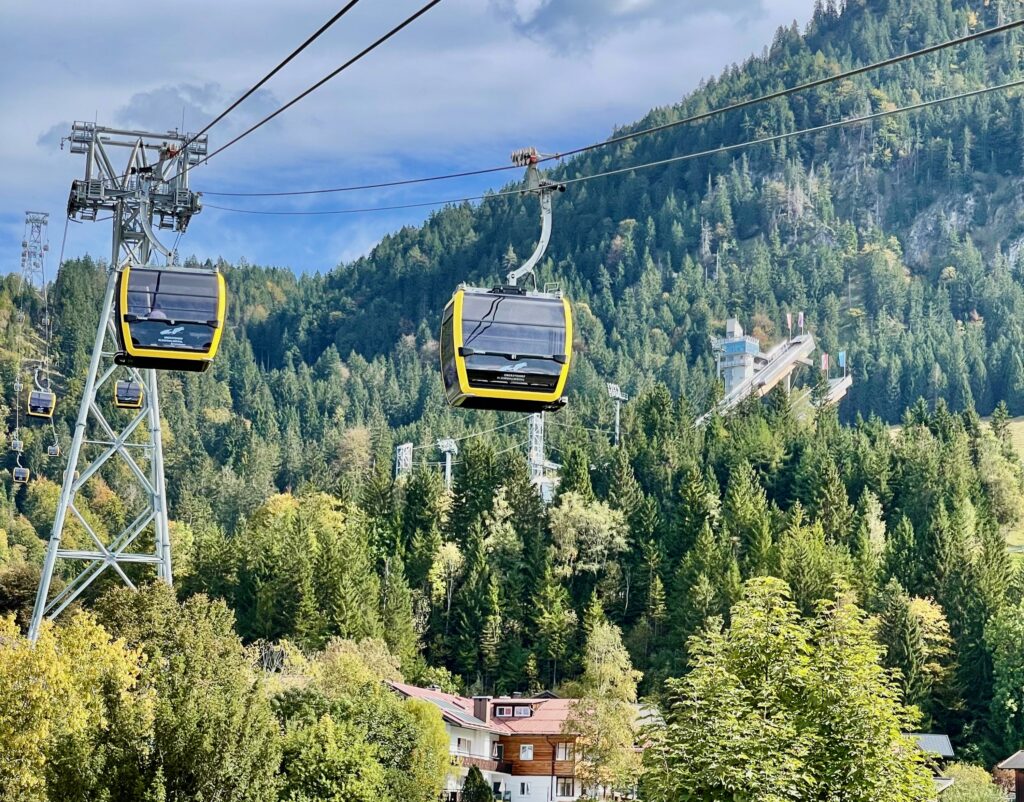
(332, 761)
(1003, 636)
(603, 716)
(475, 788)
(780, 708)
(970, 784)
(214, 736)
(76, 717)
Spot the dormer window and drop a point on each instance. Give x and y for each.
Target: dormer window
(523, 711)
(502, 711)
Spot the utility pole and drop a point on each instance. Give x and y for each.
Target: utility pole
(616, 394)
(403, 460)
(151, 193)
(449, 447)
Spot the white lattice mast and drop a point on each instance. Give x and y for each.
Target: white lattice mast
(403, 460)
(32, 274)
(542, 471)
(151, 193)
(34, 246)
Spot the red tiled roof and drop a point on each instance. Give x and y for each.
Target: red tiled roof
(457, 710)
(548, 718)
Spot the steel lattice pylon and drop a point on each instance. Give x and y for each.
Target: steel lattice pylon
(152, 191)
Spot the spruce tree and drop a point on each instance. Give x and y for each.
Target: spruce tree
(696, 507)
(900, 633)
(832, 504)
(745, 515)
(396, 614)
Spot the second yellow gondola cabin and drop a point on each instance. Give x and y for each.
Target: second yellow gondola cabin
(41, 403)
(506, 349)
(128, 395)
(169, 318)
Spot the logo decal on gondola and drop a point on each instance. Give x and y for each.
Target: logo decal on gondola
(175, 330)
(518, 367)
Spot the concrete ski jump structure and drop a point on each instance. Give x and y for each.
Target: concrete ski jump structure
(747, 372)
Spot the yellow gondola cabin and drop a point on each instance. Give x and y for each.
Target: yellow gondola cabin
(128, 395)
(41, 403)
(506, 349)
(169, 318)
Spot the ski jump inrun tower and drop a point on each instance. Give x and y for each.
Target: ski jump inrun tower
(152, 192)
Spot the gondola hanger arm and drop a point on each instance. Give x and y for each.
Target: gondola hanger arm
(535, 185)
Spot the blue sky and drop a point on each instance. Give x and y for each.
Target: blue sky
(467, 84)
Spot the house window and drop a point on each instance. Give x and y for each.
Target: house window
(565, 786)
(526, 751)
(503, 712)
(524, 789)
(498, 751)
(564, 751)
(463, 745)
(496, 788)
(523, 712)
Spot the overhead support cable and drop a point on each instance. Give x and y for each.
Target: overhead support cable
(473, 435)
(305, 93)
(257, 86)
(659, 163)
(742, 104)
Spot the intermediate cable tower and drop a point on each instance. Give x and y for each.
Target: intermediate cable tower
(150, 194)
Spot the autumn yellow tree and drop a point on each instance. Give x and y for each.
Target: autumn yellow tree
(604, 716)
(72, 714)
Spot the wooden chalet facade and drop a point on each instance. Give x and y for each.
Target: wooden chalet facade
(518, 744)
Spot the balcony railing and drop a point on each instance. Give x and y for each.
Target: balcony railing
(484, 763)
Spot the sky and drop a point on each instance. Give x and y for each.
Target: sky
(460, 89)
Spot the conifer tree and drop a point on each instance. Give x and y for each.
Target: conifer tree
(696, 507)
(745, 514)
(899, 632)
(901, 556)
(706, 584)
(807, 564)
(554, 622)
(832, 503)
(396, 614)
(575, 474)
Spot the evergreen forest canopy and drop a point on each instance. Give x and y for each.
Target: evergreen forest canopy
(899, 241)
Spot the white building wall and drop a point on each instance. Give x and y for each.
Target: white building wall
(542, 789)
(474, 743)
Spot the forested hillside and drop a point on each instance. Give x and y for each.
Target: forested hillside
(899, 241)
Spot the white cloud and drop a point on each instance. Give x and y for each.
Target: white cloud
(460, 88)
